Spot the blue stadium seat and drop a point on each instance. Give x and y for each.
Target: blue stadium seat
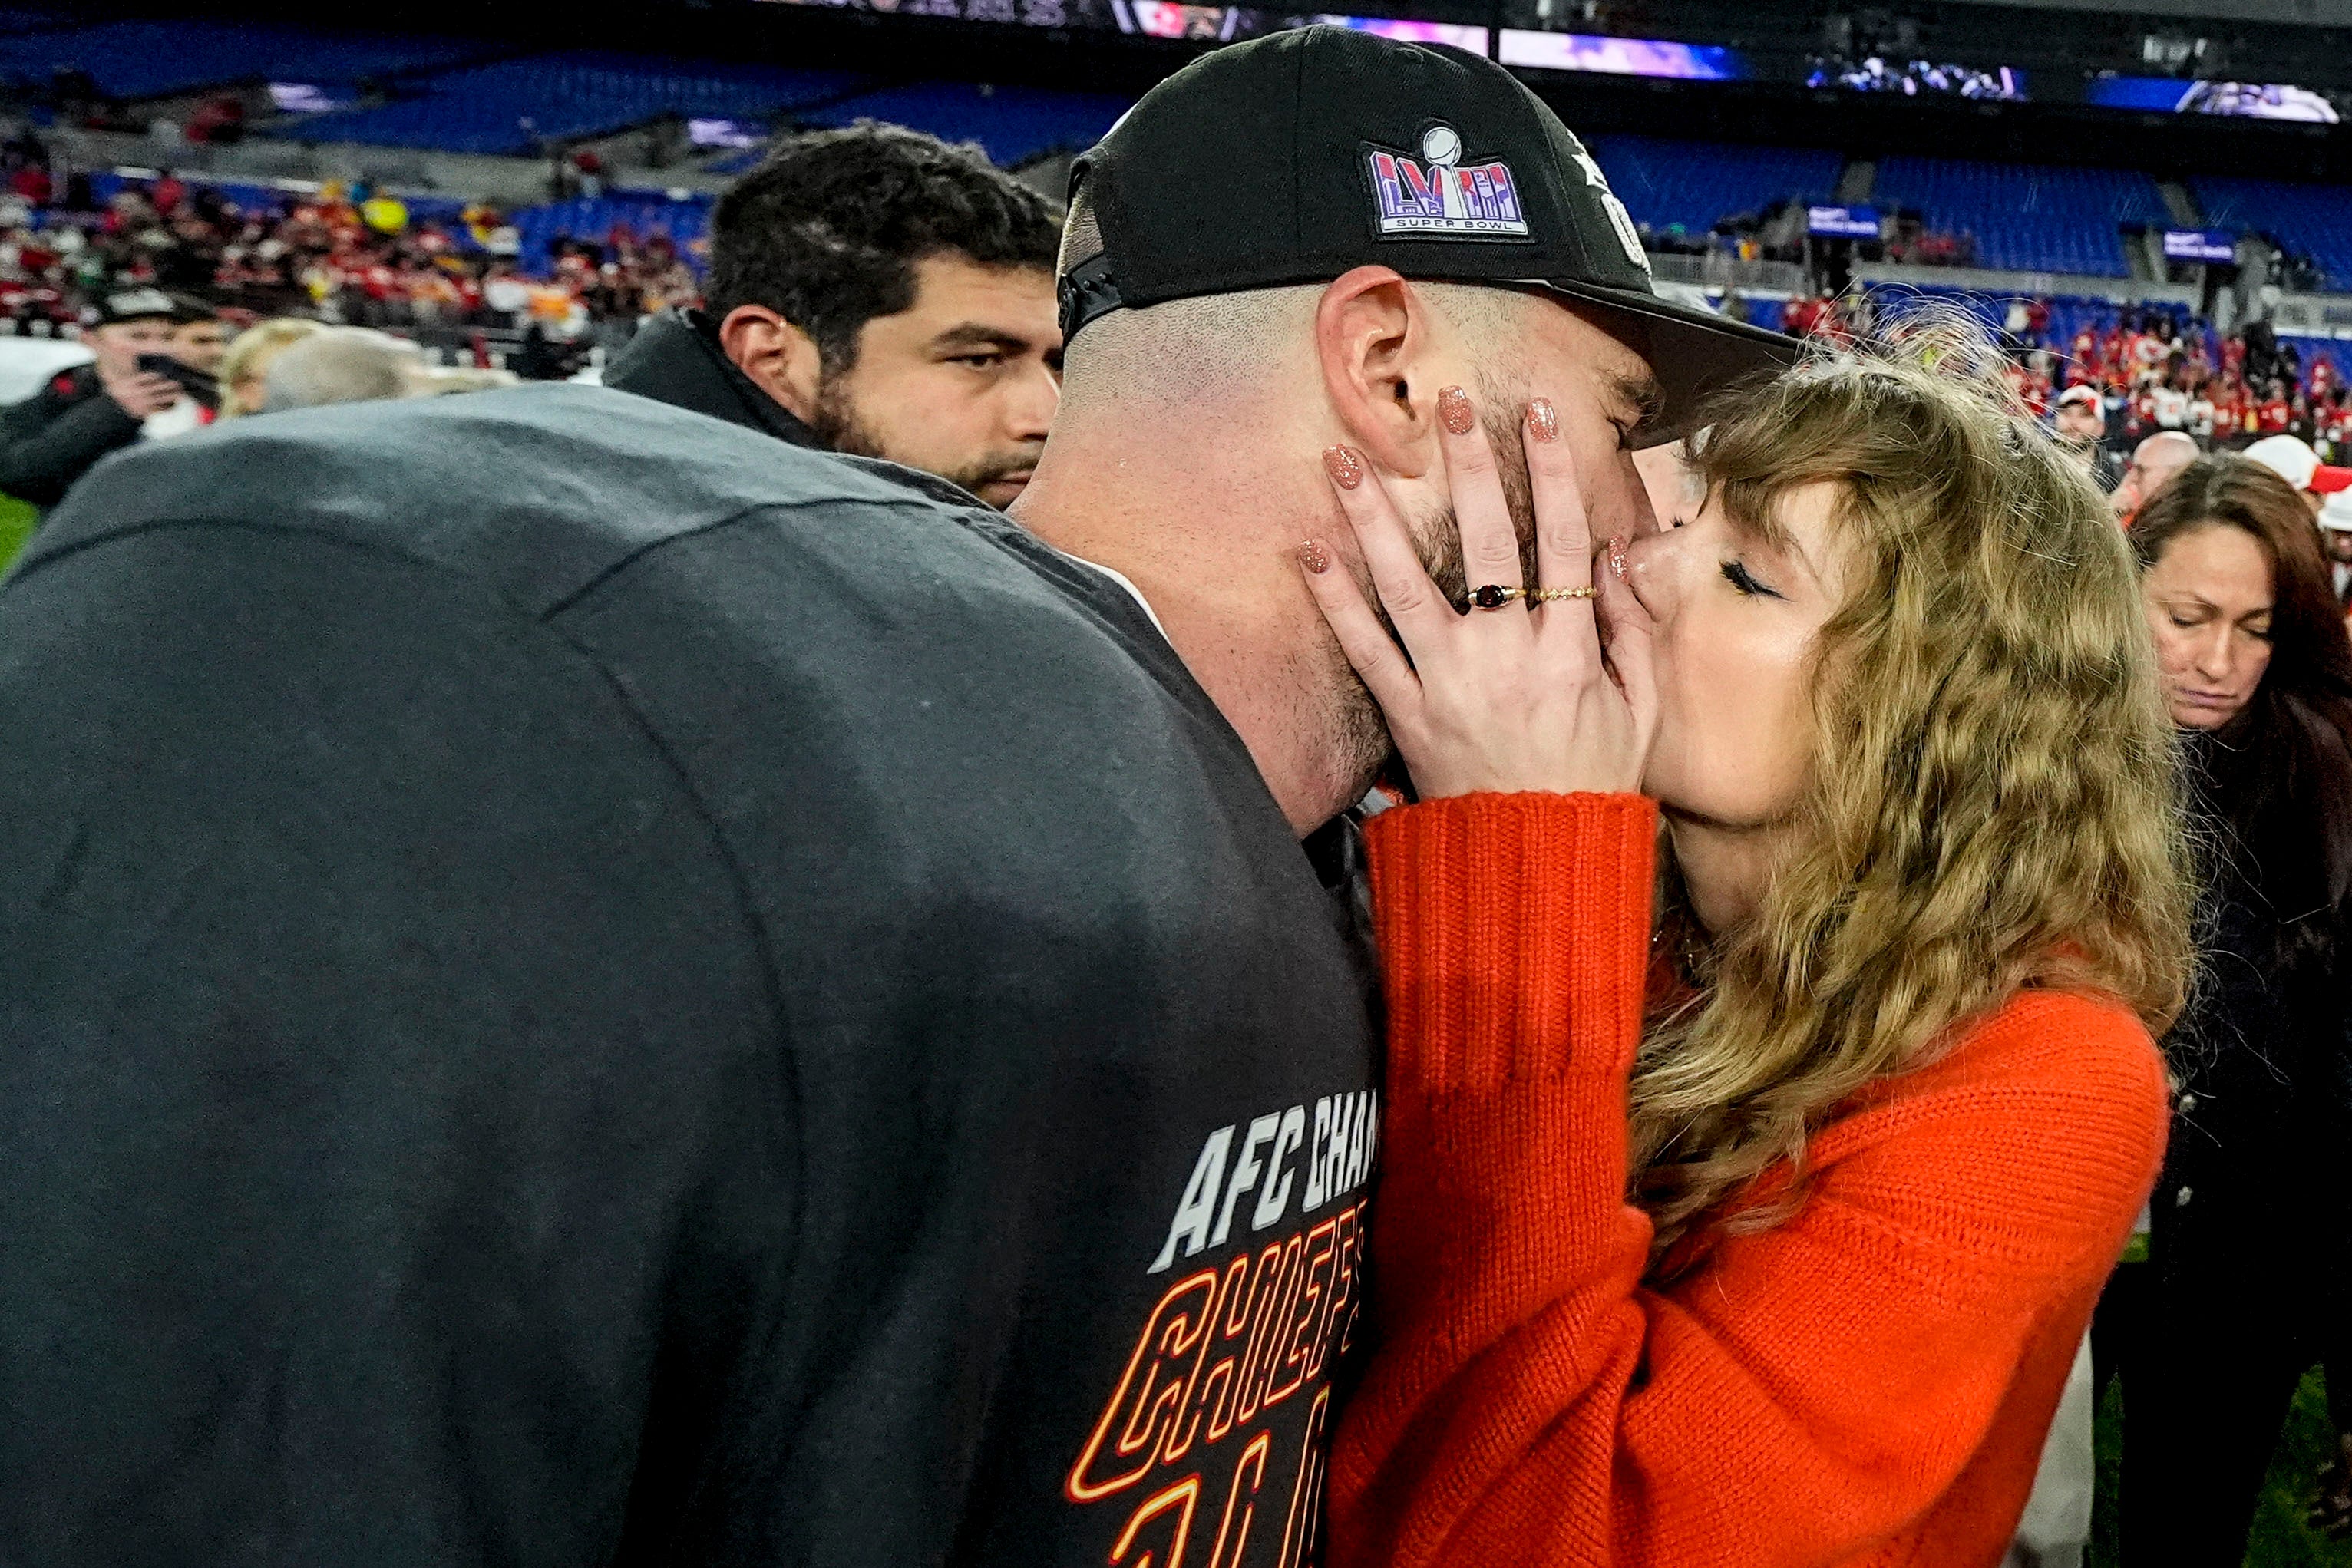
(509, 107)
(593, 217)
(2068, 312)
(2027, 218)
(248, 196)
(146, 59)
(1694, 185)
(1013, 124)
(2307, 220)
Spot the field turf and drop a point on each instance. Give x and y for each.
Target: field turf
(2279, 1538)
(16, 521)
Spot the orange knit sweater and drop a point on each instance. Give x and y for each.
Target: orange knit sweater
(1868, 1382)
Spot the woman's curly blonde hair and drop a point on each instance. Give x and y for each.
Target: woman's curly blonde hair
(1992, 802)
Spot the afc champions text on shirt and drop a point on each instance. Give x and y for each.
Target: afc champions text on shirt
(1187, 1443)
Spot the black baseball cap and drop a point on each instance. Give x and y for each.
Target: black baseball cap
(1296, 157)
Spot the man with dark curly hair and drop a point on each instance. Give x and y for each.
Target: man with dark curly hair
(874, 291)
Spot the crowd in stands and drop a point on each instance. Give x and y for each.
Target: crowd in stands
(343, 254)
(2153, 368)
(876, 293)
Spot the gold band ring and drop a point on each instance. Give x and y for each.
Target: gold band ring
(1546, 595)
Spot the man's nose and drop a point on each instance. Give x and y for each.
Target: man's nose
(1031, 402)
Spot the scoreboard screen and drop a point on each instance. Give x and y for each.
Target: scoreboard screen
(2237, 100)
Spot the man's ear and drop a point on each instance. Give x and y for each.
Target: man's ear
(780, 359)
(1374, 337)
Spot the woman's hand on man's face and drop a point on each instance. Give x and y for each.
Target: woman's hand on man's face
(1515, 693)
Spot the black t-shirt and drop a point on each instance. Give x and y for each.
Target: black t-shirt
(583, 984)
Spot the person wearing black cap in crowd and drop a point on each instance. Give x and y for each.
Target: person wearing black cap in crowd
(52, 438)
(875, 291)
(586, 986)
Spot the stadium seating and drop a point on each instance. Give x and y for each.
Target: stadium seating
(146, 60)
(513, 105)
(2027, 218)
(2068, 313)
(2339, 352)
(1691, 186)
(594, 218)
(251, 197)
(2307, 220)
(1015, 125)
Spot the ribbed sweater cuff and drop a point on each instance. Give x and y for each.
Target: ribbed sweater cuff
(1514, 933)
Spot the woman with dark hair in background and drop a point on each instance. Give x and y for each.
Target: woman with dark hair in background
(2245, 1274)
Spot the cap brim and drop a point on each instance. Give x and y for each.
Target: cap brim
(1694, 353)
(2326, 480)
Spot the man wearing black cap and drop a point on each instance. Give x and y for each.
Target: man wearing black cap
(50, 439)
(1230, 310)
(593, 988)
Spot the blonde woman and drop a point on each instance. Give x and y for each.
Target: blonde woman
(244, 368)
(1885, 1038)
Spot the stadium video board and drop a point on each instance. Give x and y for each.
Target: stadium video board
(1917, 78)
(2200, 245)
(1841, 222)
(1620, 56)
(1164, 19)
(1533, 49)
(717, 132)
(2237, 100)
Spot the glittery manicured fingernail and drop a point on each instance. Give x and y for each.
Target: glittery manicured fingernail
(1454, 410)
(1347, 468)
(1543, 420)
(1617, 557)
(1311, 556)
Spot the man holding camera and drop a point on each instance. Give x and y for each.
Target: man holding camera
(53, 437)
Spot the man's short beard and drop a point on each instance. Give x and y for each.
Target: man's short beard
(837, 425)
(1437, 540)
(1437, 537)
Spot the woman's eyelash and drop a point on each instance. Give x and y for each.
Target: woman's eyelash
(1738, 577)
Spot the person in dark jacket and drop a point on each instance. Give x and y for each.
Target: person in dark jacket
(2244, 1285)
(874, 291)
(586, 986)
(52, 438)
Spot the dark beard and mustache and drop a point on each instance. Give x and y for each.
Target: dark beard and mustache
(837, 425)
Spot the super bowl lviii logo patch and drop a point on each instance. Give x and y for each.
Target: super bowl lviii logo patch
(1439, 196)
